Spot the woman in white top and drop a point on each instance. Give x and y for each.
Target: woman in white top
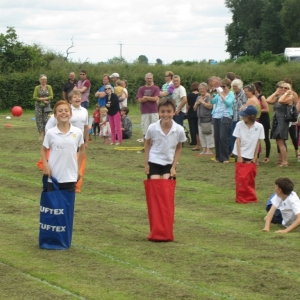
(124, 102)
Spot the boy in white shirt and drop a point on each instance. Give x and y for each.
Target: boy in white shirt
(248, 134)
(288, 203)
(163, 142)
(63, 140)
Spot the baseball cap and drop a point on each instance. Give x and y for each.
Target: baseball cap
(114, 75)
(248, 111)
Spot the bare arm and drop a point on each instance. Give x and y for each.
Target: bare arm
(268, 218)
(256, 151)
(286, 98)
(176, 158)
(238, 149)
(147, 146)
(151, 99)
(81, 154)
(86, 135)
(64, 95)
(273, 98)
(291, 227)
(182, 104)
(123, 96)
(265, 104)
(46, 169)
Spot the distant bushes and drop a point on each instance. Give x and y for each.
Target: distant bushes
(17, 88)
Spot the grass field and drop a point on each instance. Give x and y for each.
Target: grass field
(219, 250)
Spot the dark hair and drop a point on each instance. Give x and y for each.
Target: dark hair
(251, 88)
(126, 109)
(288, 80)
(230, 76)
(194, 86)
(238, 77)
(285, 184)
(83, 71)
(258, 85)
(165, 102)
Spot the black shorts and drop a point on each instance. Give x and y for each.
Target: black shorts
(69, 186)
(156, 169)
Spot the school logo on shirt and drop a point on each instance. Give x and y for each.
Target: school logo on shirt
(73, 135)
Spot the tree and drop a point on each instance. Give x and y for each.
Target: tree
(142, 59)
(159, 61)
(243, 34)
(289, 16)
(116, 60)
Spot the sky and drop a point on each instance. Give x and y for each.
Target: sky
(168, 30)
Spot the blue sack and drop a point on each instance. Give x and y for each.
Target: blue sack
(56, 217)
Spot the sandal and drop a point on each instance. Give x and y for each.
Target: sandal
(266, 160)
(283, 165)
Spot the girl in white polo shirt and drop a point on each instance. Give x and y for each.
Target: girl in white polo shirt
(63, 140)
(163, 143)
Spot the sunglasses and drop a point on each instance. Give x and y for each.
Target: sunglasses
(107, 89)
(167, 75)
(283, 87)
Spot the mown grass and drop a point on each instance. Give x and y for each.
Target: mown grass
(219, 250)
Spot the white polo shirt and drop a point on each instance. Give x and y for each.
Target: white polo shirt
(163, 146)
(79, 118)
(178, 93)
(290, 207)
(63, 148)
(248, 137)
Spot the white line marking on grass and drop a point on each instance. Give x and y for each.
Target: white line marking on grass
(152, 272)
(45, 282)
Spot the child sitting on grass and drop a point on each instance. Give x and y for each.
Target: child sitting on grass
(126, 126)
(287, 202)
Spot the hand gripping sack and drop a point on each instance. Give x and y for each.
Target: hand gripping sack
(56, 217)
(245, 182)
(160, 195)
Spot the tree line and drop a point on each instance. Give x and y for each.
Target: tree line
(262, 25)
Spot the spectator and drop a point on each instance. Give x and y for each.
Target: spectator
(179, 96)
(83, 86)
(282, 97)
(222, 114)
(101, 92)
(69, 86)
(148, 96)
(192, 116)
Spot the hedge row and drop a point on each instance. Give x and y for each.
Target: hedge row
(17, 88)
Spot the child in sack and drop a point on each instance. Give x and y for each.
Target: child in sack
(163, 142)
(63, 140)
(287, 202)
(248, 134)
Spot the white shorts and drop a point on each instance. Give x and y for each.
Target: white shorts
(148, 119)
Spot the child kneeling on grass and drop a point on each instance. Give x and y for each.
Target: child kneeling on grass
(287, 202)
(163, 143)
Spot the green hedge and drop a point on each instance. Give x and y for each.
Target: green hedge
(17, 88)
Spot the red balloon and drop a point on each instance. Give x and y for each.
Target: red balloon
(17, 111)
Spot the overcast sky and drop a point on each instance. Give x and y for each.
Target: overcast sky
(169, 30)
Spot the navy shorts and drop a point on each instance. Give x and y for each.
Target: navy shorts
(156, 169)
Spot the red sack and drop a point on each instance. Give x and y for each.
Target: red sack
(160, 202)
(245, 182)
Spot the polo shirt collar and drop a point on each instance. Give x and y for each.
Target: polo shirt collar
(56, 129)
(74, 108)
(158, 127)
